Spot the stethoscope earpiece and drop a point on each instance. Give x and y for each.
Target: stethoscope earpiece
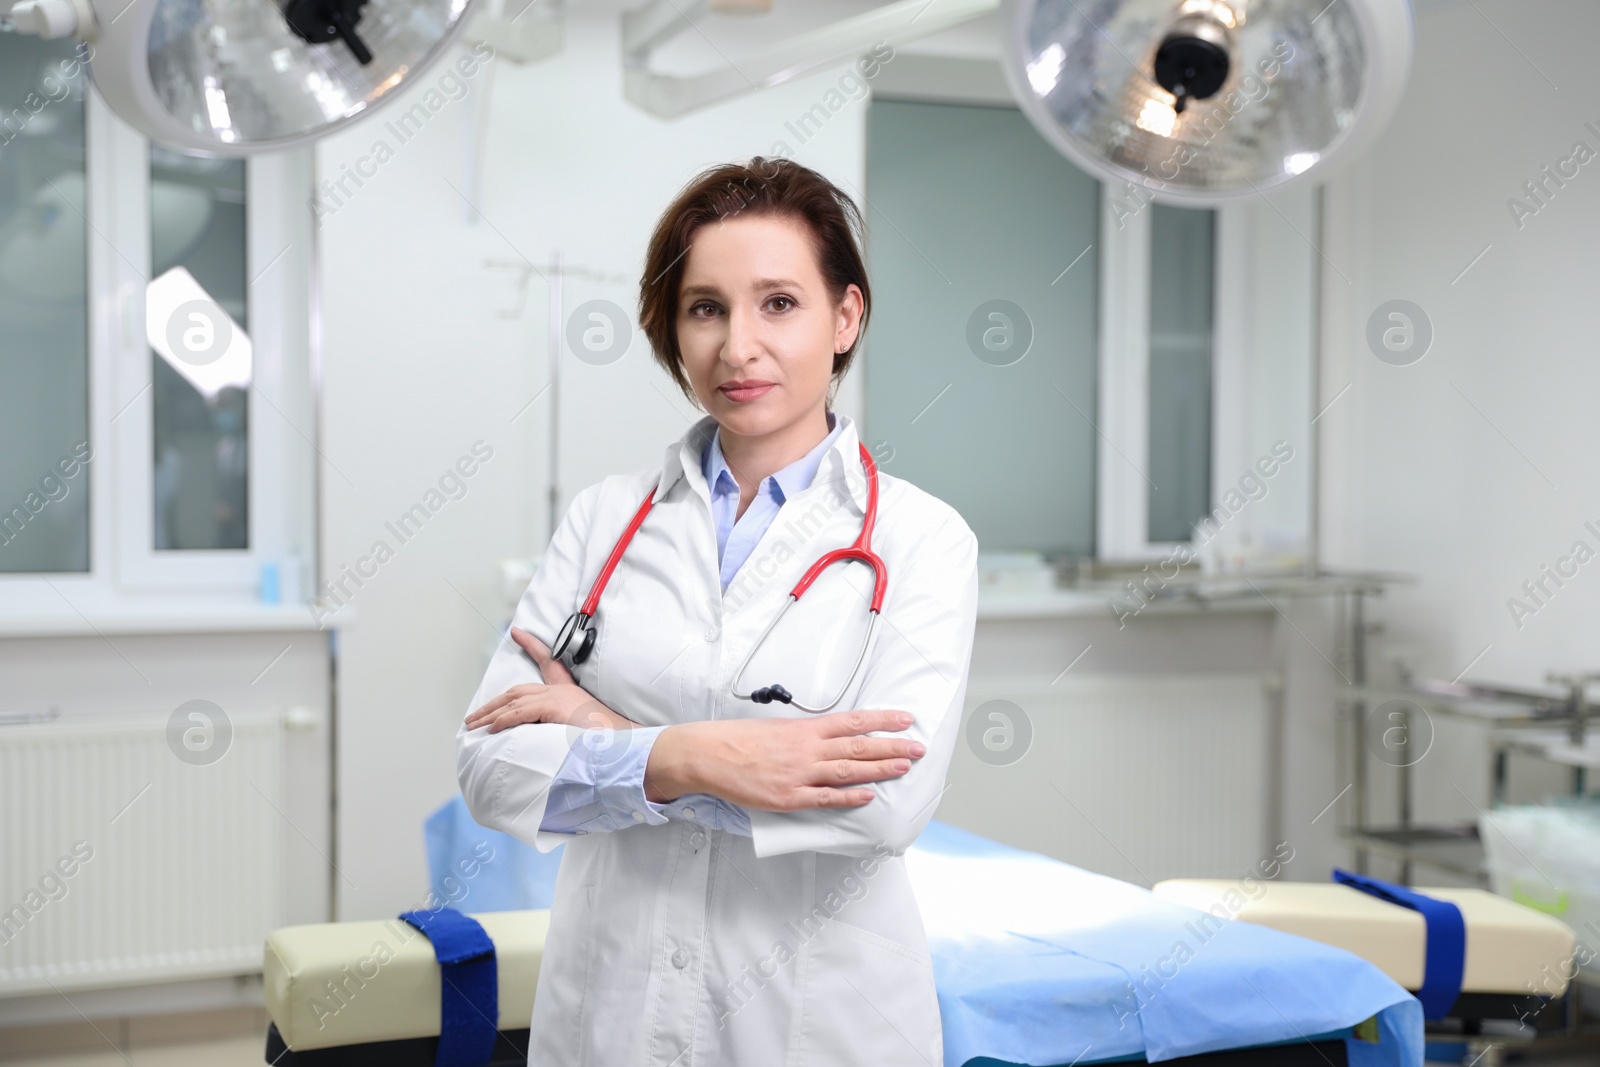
(768, 693)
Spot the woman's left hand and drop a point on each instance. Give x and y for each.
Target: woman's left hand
(559, 699)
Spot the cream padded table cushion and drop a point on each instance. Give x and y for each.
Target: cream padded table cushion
(1509, 947)
(348, 983)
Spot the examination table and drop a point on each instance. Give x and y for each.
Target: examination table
(1517, 962)
(1035, 962)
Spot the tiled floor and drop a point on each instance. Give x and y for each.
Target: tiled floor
(211, 1039)
(122, 1045)
(228, 1052)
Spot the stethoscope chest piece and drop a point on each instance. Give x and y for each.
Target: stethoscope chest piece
(578, 635)
(575, 641)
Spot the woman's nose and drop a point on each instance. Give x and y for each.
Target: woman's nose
(744, 341)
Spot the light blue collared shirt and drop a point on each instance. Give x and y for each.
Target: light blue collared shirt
(738, 535)
(601, 786)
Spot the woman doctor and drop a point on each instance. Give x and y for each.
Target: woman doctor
(734, 890)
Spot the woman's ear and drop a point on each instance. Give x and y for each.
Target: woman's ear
(848, 326)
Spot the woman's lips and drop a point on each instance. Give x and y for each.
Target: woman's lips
(745, 391)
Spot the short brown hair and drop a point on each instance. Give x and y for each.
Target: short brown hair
(763, 186)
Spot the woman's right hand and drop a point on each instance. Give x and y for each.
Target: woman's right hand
(781, 764)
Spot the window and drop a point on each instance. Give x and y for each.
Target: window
(1078, 369)
(44, 347)
(124, 472)
(981, 360)
(1182, 295)
(201, 455)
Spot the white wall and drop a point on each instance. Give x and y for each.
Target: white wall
(421, 362)
(1475, 466)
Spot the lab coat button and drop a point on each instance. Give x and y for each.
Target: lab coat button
(712, 633)
(697, 839)
(638, 816)
(688, 813)
(680, 959)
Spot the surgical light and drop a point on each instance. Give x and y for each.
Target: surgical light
(229, 77)
(1207, 101)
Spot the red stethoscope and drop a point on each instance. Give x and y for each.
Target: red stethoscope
(576, 641)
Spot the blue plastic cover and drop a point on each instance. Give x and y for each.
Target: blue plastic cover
(1038, 962)
(477, 869)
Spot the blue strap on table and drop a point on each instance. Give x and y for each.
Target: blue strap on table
(1445, 952)
(469, 999)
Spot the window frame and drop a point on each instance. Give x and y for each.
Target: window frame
(123, 562)
(1122, 505)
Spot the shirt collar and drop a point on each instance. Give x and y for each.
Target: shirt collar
(793, 479)
(840, 459)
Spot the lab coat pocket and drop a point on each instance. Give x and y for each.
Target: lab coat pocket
(869, 1000)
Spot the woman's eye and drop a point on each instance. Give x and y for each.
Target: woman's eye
(704, 309)
(784, 301)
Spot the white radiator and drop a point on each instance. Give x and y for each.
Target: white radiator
(1140, 777)
(122, 863)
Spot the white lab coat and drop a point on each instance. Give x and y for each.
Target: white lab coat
(802, 945)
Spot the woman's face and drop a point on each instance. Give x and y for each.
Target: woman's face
(757, 326)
